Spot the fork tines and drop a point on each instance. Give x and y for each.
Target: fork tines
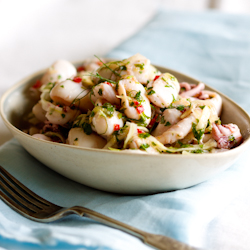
(19, 197)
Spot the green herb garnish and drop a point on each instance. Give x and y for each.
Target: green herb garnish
(197, 133)
(140, 65)
(167, 123)
(181, 107)
(144, 146)
(87, 128)
(144, 135)
(151, 92)
(100, 92)
(109, 109)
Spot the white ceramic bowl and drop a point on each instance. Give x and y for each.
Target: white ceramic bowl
(127, 173)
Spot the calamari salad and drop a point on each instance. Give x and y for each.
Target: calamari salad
(127, 106)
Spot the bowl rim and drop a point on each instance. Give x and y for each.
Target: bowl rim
(23, 82)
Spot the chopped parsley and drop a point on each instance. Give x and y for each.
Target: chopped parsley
(151, 92)
(144, 146)
(197, 151)
(218, 122)
(167, 123)
(140, 65)
(63, 115)
(123, 67)
(87, 128)
(168, 85)
(144, 135)
(231, 138)
(181, 107)
(138, 96)
(162, 121)
(142, 120)
(164, 79)
(152, 106)
(100, 92)
(197, 133)
(162, 109)
(109, 109)
(131, 104)
(208, 123)
(182, 145)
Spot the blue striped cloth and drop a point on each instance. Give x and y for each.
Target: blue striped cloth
(212, 47)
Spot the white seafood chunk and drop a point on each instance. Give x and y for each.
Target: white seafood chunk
(39, 112)
(215, 99)
(177, 131)
(136, 65)
(163, 90)
(105, 120)
(59, 71)
(60, 115)
(168, 119)
(105, 90)
(206, 97)
(79, 138)
(139, 139)
(133, 100)
(227, 136)
(70, 93)
(140, 67)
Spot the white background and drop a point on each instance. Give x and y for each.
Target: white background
(33, 34)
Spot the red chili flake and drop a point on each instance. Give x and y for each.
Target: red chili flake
(77, 79)
(139, 131)
(65, 109)
(140, 109)
(81, 68)
(117, 107)
(156, 77)
(153, 121)
(37, 85)
(116, 127)
(109, 83)
(136, 103)
(184, 110)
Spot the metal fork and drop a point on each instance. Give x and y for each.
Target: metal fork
(32, 206)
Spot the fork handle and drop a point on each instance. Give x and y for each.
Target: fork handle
(157, 241)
